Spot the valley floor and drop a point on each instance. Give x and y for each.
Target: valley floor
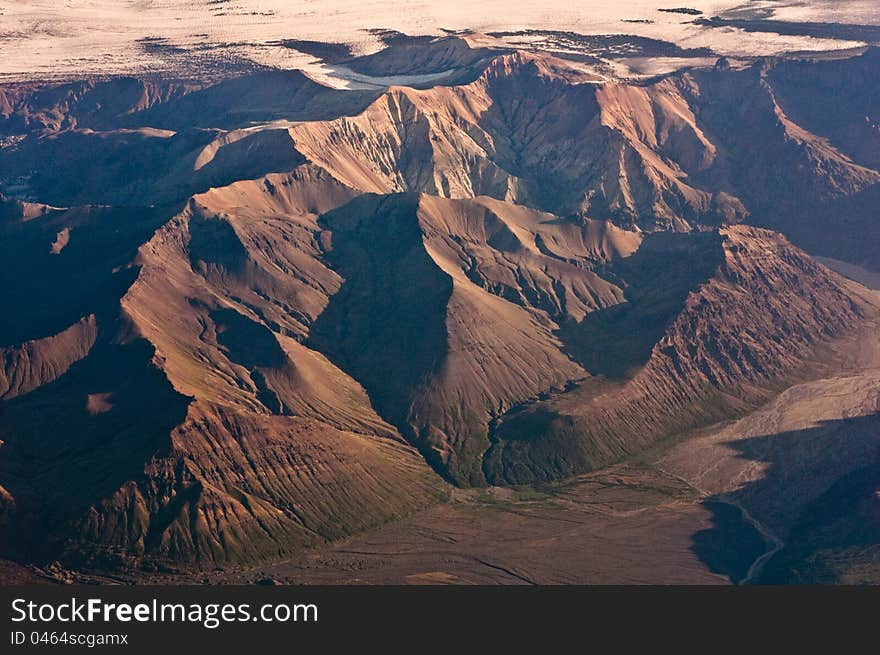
(625, 525)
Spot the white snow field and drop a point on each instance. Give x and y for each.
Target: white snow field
(52, 38)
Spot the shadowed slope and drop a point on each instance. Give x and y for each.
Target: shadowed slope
(257, 98)
(719, 357)
(458, 301)
(70, 444)
(216, 440)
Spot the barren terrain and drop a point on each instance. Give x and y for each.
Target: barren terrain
(483, 306)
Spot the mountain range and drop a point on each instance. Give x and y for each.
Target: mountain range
(251, 317)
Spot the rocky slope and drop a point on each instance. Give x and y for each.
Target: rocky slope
(177, 428)
(720, 356)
